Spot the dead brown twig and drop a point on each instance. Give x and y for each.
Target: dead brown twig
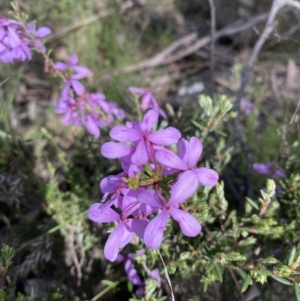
(292, 3)
(245, 76)
(192, 44)
(212, 43)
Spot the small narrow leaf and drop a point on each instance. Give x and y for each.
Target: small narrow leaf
(282, 280)
(219, 272)
(248, 281)
(297, 291)
(252, 203)
(292, 256)
(265, 273)
(242, 273)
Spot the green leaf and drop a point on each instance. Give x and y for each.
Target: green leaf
(292, 256)
(297, 291)
(265, 273)
(282, 280)
(247, 242)
(198, 125)
(219, 272)
(247, 282)
(107, 282)
(242, 273)
(269, 260)
(252, 203)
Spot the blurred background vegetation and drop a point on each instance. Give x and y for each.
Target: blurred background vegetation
(49, 173)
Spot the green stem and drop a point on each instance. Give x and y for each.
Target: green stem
(137, 105)
(106, 290)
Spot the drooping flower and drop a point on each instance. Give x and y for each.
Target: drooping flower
(35, 36)
(148, 100)
(90, 110)
(74, 72)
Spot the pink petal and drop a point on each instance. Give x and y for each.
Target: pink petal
(154, 232)
(111, 183)
(195, 151)
(96, 214)
(183, 150)
(207, 176)
(150, 198)
(73, 59)
(66, 89)
(184, 188)
(61, 66)
(132, 205)
(137, 90)
(139, 226)
(77, 86)
(92, 127)
(141, 154)
(124, 134)
(127, 236)
(149, 120)
(81, 72)
(188, 224)
(117, 240)
(114, 150)
(43, 31)
(146, 101)
(14, 39)
(168, 136)
(162, 113)
(169, 159)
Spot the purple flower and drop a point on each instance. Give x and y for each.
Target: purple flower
(189, 153)
(268, 169)
(35, 35)
(126, 227)
(262, 168)
(246, 106)
(184, 188)
(90, 110)
(148, 100)
(74, 72)
(143, 138)
(12, 44)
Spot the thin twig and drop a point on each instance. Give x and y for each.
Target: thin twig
(292, 3)
(163, 59)
(212, 44)
(167, 275)
(245, 76)
(295, 113)
(237, 284)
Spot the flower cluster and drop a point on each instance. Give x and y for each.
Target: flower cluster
(80, 107)
(154, 183)
(269, 169)
(148, 100)
(17, 39)
(132, 273)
